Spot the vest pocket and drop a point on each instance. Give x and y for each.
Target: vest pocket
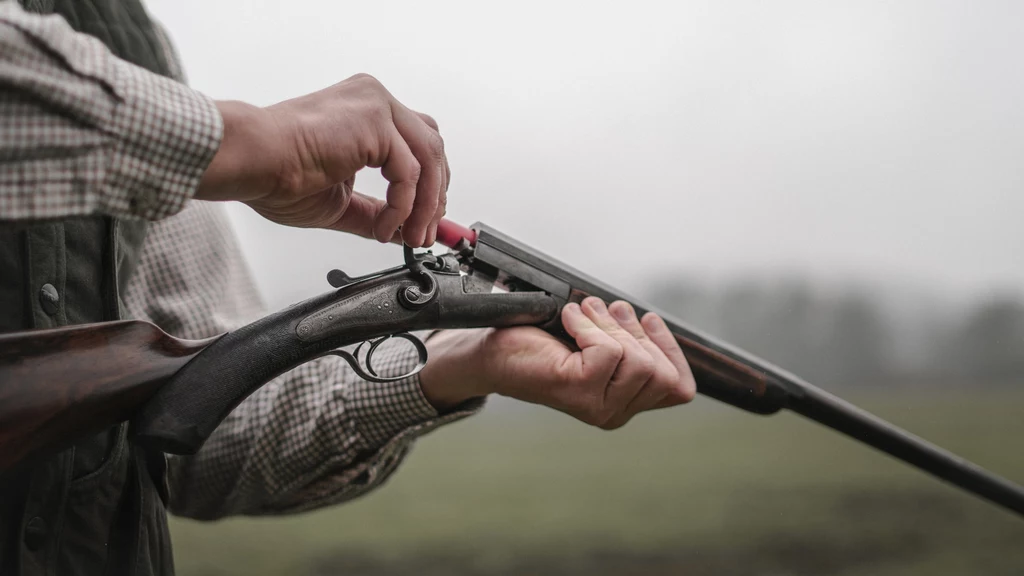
(94, 455)
(95, 500)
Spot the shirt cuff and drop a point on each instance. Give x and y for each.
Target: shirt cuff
(382, 411)
(388, 417)
(166, 136)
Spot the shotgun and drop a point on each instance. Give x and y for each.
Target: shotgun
(61, 384)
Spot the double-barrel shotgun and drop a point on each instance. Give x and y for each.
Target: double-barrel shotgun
(61, 384)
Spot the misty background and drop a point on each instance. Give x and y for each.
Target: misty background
(834, 185)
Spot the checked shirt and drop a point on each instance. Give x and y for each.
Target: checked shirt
(83, 132)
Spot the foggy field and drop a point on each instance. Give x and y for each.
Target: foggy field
(699, 491)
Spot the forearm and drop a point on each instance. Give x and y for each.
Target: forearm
(247, 164)
(85, 132)
(455, 374)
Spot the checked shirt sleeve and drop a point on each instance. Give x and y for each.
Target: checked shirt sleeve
(314, 436)
(84, 132)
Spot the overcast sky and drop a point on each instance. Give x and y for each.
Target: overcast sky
(864, 139)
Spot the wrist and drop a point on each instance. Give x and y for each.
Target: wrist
(455, 370)
(245, 166)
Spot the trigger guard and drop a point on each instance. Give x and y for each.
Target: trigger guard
(369, 373)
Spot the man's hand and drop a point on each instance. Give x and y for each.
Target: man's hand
(624, 366)
(295, 162)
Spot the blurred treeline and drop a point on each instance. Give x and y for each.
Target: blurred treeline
(858, 336)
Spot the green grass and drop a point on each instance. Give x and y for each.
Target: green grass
(698, 490)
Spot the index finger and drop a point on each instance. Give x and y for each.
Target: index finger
(428, 147)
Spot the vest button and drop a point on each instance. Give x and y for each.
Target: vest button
(35, 533)
(49, 299)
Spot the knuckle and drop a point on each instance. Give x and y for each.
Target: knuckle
(666, 376)
(599, 416)
(646, 367)
(380, 112)
(566, 380)
(376, 112)
(591, 418)
(687, 390)
(415, 170)
(427, 204)
(615, 349)
(366, 79)
(613, 423)
(436, 145)
(429, 120)
(615, 331)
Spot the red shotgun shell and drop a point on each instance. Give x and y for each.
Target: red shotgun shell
(449, 233)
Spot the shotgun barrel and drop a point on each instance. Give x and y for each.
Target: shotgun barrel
(722, 371)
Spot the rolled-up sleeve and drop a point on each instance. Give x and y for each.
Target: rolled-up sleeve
(84, 132)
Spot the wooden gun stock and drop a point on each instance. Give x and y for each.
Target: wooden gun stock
(62, 384)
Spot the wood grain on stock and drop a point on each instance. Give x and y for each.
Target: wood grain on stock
(61, 384)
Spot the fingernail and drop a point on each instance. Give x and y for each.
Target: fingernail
(412, 240)
(622, 311)
(596, 304)
(573, 308)
(654, 322)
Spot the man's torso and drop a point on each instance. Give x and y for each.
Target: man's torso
(94, 508)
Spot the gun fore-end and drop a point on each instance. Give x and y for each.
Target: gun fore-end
(721, 371)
